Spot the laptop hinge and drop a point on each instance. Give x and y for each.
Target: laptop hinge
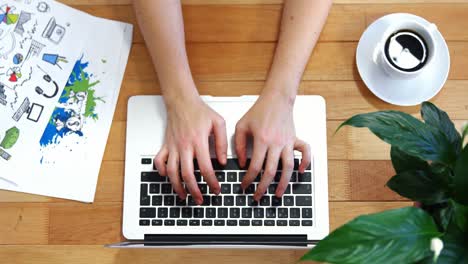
(279, 240)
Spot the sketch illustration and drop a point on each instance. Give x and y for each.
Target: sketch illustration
(34, 111)
(3, 96)
(7, 15)
(8, 141)
(48, 79)
(14, 74)
(24, 17)
(53, 31)
(18, 58)
(7, 95)
(43, 7)
(76, 105)
(34, 50)
(54, 59)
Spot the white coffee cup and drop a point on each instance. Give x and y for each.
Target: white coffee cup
(426, 33)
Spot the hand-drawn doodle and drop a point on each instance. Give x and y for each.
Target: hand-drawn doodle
(18, 58)
(9, 140)
(53, 31)
(54, 59)
(29, 36)
(28, 2)
(34, 50)
(43, 7)
(24, 17)
(56, 88)
(7, 16)
(34, 111)
(3, 96)
(14, 73)
(7, 43)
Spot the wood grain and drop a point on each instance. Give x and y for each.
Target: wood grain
(25, 224)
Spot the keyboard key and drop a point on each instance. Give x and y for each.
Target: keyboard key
(206, 200)
(272, 188)
(182, 222)
(144, 222)
(257, 222)
(162, 212)
(216, 200)
(275, 201)
(240, 200)
(277, 176)
(203, 188)
(232, 164)
(195, 165)
(270, 212)
(294, 222)
(241, 175)
(232, 222)
(169, 200)
(169, 222)
(145, 161)
(152, 176)
(228, 200)
(232, 176)
(282, 212)
(303, 201)
(281, 222)
(288, 189)
(219, 222)
(217, 165)
(154, 188)
(156, 222)
(234, 212)
(198, 212)
(210, 212)
(244, 222)
(251, 201)
(304, 177)
(226, 188)
(174, 212)
(222, 213)
(258, 178)
(221, 176)
(145, 200)
(306, 212)
(258, 213)
(186, 212)
(288, 201)
(293, 177)
(250, 189)
(269, 222)
(166, 188)
(147, 212)
(236, 189)
(302, 188)
(180, 202)
(307, 222)
(157, 200)
(191, 201)
(198, 176)
(207, 222)
(295, 213)
(194, 222)
(265, 201)
(247, 212)
(296, 164)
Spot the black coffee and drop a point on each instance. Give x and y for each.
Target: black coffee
(406, 50)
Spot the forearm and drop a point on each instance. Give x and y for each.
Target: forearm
(301, 24)
(162, 27)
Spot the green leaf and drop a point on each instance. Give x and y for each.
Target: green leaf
(439, 119)
(460, 216)
(461, 178)
(403, 162)
(394, 236)
(409, 134)
(465, 133)
(418, 186)
(455, 249)
(441, 213)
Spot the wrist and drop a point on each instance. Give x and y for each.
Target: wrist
(281, 95)
(180, 96)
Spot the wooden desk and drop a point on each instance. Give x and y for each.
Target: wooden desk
(230, 48)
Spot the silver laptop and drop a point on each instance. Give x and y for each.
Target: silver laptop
(153, 216)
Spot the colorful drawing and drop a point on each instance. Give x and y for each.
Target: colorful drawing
(14, 73)
(18, 58)
(53, 31)
(10, 138)
(7, 16)
(54, 59)
(76, 105)
(23, 19)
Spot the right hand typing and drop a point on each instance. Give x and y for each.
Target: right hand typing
(189, 124)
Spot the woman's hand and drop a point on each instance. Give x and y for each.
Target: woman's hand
(270, 123)
(189, 124)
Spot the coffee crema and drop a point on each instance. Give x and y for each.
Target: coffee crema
(406, 50)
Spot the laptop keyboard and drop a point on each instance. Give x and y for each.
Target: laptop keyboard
(160, 206)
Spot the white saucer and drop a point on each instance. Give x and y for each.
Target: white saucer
(403, 92)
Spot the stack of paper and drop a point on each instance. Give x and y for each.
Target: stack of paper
(60, 76)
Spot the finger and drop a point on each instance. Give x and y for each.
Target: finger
(287, 159)
(160, 161)
(206, 168)
(174, 175)
(241, 144)
(256, 163)
(304, 148)
(269, 172)
(186, 159)
(219, 130)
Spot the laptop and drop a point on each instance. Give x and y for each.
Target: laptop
(153, 216)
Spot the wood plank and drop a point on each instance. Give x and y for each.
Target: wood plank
(23, 224)
(250, 62)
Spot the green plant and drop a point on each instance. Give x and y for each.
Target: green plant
(431, 167)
